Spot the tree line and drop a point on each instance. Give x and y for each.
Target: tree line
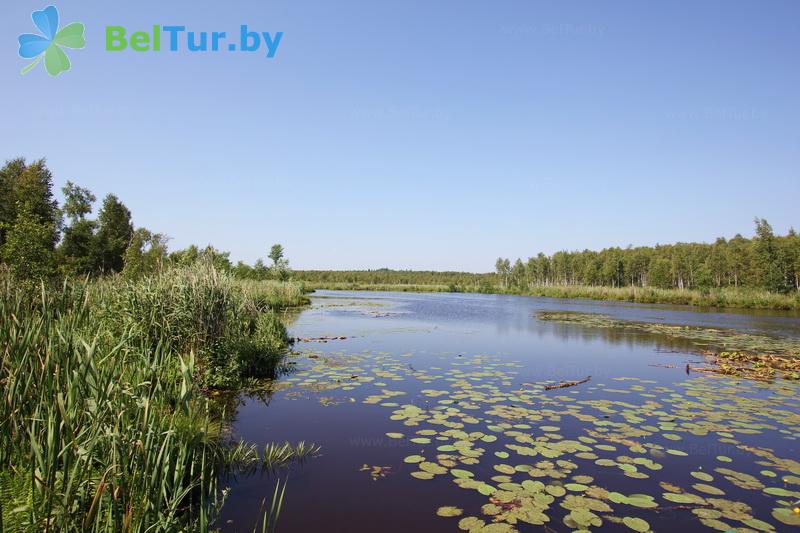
(765, 261)
(40, 240)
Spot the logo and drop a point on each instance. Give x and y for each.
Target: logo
(177, 38)
(50, 44)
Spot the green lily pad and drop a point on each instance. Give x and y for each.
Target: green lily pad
(449, 511)
(636, 524)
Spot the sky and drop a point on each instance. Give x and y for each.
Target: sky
(424, 135)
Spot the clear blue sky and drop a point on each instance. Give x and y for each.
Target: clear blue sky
(426, 134)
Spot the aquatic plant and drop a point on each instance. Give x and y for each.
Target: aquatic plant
(626, 453)
(103, 421)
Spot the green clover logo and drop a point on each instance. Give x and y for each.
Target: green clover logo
(48, 45)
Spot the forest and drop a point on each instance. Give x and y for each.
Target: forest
(766, 261)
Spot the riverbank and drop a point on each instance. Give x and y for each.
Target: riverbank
(104, 418)
(729, 298)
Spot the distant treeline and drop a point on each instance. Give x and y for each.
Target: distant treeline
(766, 261)
(455, 281)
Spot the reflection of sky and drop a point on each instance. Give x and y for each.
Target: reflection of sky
(437, 334)
(517, 313)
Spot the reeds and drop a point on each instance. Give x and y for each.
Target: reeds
(103, 424)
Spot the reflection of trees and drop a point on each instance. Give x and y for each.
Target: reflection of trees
(290, 315)
(621, 336)
(225, 406)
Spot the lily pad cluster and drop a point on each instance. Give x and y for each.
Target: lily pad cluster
(629, 452)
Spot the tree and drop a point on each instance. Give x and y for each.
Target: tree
(518, 274)
(660, 273)
(793, 258)
(276, 254)
(32, 186)
(77, 201)
(145, 255)
(113, 235)
(28, 250)
(770, 270)
(77, 248)
(503, 268)
(9, 176)
(280, 266)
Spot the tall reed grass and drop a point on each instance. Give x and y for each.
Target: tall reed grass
(726, 297)
(103, 424)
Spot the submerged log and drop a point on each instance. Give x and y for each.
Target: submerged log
(565, 384)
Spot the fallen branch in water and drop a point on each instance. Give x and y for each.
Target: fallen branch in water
(565, 384)
(317, 339)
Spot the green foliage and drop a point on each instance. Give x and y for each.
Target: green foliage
(28, 250)
(29, 220)
(191, 255)
(765, 262)
(9, 177)
(77, 201)
(145, 255)
(103, 424)
(114, 235)
(34, 190)
(201, 310)
(276, 253)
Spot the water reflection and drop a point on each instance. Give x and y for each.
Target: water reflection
(484, 357)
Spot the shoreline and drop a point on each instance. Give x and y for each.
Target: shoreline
(741, 299)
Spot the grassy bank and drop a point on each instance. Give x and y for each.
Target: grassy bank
(104, 425)
(388, 287)
(727, 297)
(722, 298)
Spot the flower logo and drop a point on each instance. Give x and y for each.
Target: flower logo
(48, 45)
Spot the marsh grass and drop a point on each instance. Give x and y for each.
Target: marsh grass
(103, 423)
(727, 297)
(274, 295)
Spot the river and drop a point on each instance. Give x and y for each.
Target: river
(643, 445)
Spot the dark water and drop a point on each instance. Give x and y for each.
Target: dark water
(474, 368)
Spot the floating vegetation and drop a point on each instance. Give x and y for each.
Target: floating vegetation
(732, 352)
(376, 472)
(711, 451)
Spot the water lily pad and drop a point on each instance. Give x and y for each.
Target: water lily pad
(412, 459)
(786, 516)
(471, 523)
(636, 524)
(702, 476)
(708, 489)
(575, 487)
(486, 489)
(504, 469)
(448, 511)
